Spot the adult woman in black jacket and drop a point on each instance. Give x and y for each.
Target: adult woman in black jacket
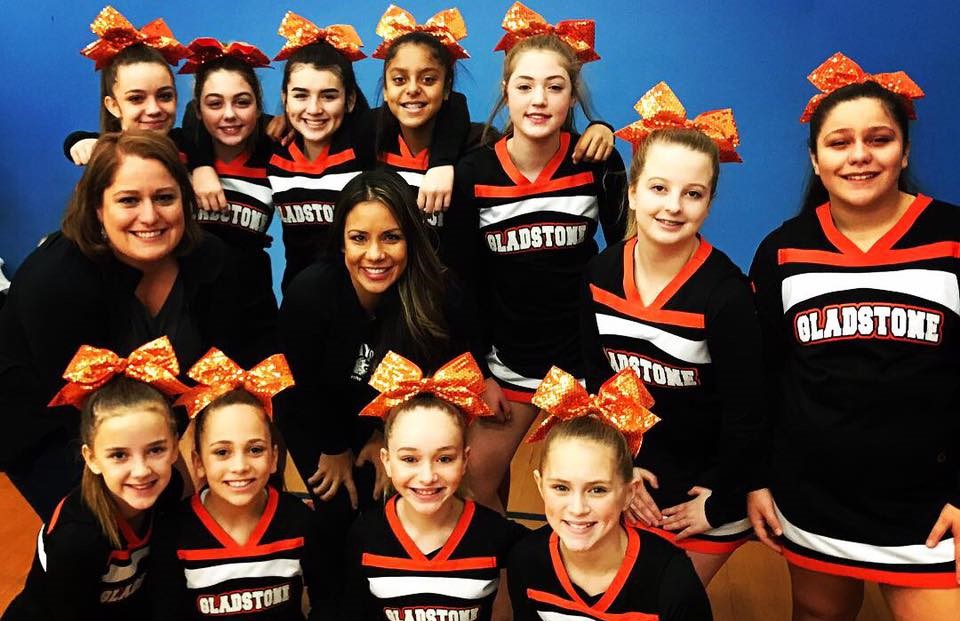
(128, 265)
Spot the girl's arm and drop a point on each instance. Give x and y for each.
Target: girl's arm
(612, 195)
(450, 134)
(76, 557)
(78, 146)
(682, 596)
(596, 368)
(167, 584)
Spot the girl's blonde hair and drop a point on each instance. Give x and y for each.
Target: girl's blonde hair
(592, 429)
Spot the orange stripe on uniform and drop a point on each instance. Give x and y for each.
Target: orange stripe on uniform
(933, 580)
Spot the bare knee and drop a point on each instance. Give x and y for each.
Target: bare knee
(824, 597)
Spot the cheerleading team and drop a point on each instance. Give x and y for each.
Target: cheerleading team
(588, 562)
(857, 298)
(429, 549)
(525, 216)
(668, 304)
(93, 552)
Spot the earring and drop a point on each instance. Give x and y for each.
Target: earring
(103, 233)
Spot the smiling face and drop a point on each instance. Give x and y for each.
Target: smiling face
(414, 87)
(134, 451)
(228, 109)
(425, 457)
(670, 198)
(143, 97)
(374, 250)
(583, 492)
(539, 94)
(142, 212)
(237, 454)
(316, 102)
(860, 154)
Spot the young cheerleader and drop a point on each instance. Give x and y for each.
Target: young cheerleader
(587, 563)
(534, 213)
(239, 546)
(230, 107)
(137, 91)
(857, 297)
(429, 552)
(91, 558)
(680, 313)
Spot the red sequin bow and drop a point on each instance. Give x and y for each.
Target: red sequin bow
(839, 71)
(301, 32)
(459, 382)
(447, 26)
(116, 34)
(206, 49)
(91, 367)
(659, 108)
(521, 22)
(216, 375)
(623, 402)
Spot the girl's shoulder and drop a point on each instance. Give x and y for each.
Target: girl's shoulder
(72, 531)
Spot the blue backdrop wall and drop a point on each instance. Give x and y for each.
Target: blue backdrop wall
(750, 55)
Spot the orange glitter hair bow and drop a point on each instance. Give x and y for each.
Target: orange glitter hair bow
(459, 382)
(116, 34)
(216, 375)
(659, 108)
(206, 49)
(301, 32)
(623, 402)
(447, 26)
(153, 363)
(839, 71)
(521, 22)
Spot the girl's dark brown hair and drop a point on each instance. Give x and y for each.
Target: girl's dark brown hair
(137, 53)
(896, 106)
(121, 395)
(239, 396)
(421, 287)
(324, 57)
(245, 71)
(80, 222)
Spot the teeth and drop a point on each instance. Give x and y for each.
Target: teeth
(147, 234)
(238, 484)
(415, 106)
(861, 177)
(376, 270)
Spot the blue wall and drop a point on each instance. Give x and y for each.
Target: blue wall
(752, 56)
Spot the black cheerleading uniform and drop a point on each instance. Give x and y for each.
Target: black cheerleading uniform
(398, 158)
(190, 155)
(655, 582)
(78, 574)
(697, 349)
(199, 572)
(862, 354)
(390, 579)
(524, 245)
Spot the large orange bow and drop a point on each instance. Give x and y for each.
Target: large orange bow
(116, 34)
(459, 382)
(521, 22)
(301, 32)
(659, 108)
(623, 402)
(153, 363)
(206, 49)
(447, 26)
(216, 375)
(839, 71)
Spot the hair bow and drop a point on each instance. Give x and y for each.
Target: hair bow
(153, 363)
(301, 32)
(623, 402)
(398, 380)
(839, 71)
(116, 34)
(206, 49)
(521, 22)
(447, 26)
(216, 375)
(659, 108)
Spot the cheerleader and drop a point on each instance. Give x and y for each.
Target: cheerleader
(230, 108)
(429, 550)
(587, 563)
(92, 554)
(680, 313)
(239, 546)
(534, 213)
(857, 297)
(137, 91)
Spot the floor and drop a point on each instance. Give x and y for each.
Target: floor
(753, 586)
